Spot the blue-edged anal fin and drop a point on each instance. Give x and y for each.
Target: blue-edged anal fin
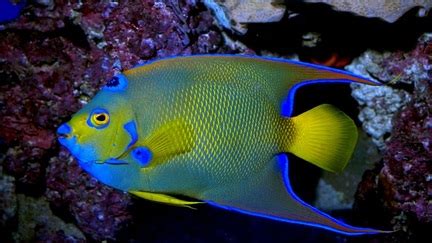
(270, 195)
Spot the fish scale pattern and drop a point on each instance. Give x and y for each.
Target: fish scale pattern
(236, 132)
(235, 117)
(232, 126)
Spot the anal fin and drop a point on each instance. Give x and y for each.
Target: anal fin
(269, 195)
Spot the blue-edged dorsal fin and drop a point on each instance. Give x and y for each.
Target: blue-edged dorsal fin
(300, 74)
(269, 195)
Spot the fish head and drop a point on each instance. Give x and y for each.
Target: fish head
(102, 130)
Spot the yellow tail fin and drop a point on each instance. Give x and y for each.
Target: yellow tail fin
(324, 136)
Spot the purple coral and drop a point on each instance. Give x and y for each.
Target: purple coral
(37, 93)
(98, 210)
(407, 172)
(402, 185)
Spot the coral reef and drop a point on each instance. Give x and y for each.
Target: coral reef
(36, 222)
(234, 14)
(99, 211)
(407, 172)
(8, 202)
(53, 59)
(379, 104)
(387, 10)
(401, 186)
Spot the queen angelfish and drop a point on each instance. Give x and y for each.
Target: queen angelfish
(216, 129)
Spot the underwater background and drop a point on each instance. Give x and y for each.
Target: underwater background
(55, 55)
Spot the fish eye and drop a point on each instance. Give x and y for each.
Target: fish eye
(99, 118)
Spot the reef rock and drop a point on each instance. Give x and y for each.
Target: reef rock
(36, 222)
(402, 184)
(8, 200)
(387, 10)
(378, 106)
(98, 210)
(232, 14)
(400, 71)
(407, 172)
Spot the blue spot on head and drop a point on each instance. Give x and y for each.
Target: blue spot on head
(117, 83)
(113, 82)
(142, 155)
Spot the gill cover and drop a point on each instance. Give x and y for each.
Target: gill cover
(105, 128)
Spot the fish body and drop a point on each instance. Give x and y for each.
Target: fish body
(216, 129)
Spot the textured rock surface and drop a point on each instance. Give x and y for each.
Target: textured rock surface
(379, 104)
(99, 211)
(399, 191)
(407, 172)
(8, 200)
(387, 10)
(36, 222)
(234, 14)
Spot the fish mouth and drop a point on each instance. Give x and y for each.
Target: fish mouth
(63, 136)
(69, 141)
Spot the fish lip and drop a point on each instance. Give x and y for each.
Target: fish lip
(63, 136)
(63, 139)
(70, 142)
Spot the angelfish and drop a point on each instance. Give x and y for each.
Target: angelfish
(216, 129)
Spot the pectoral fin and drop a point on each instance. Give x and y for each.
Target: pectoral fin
(173, 138)
(269, 195)
(163, 198)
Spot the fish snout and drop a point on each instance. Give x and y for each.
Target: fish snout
(67, 138)
(64, 131)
